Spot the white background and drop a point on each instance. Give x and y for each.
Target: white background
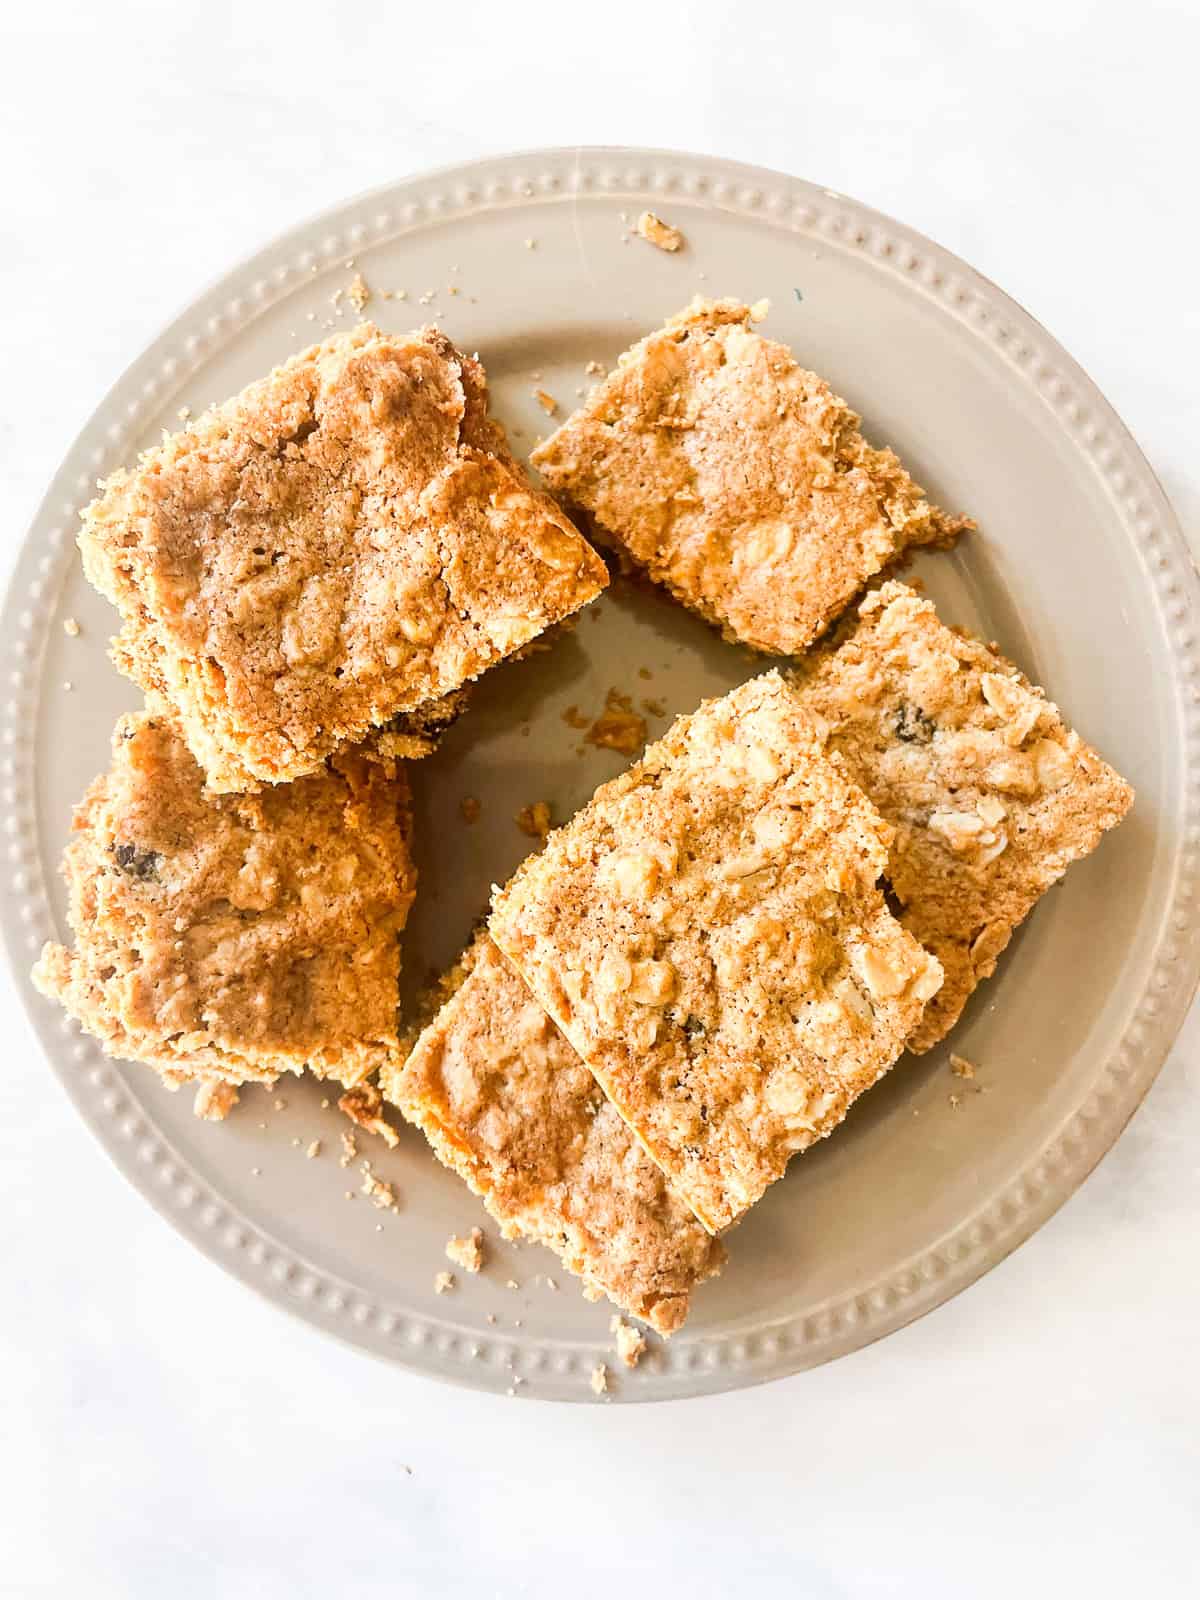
(162, 1432)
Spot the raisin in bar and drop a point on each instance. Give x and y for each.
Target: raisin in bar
(991, 794)
(343, 542)
(505, 1102)
(715, 462)
(710, 936)
(229, 938)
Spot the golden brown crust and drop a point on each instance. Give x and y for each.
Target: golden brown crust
(709, 934)
(343, 542)
(232, 938)
(738, 479)
(506, 1102)
(992, 796)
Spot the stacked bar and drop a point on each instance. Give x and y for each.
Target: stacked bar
(507, 1103)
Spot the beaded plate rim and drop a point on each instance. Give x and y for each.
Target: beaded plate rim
(232, 1239)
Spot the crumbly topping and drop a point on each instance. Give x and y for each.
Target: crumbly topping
(660, 234)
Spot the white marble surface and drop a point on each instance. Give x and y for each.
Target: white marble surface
(164, 1432)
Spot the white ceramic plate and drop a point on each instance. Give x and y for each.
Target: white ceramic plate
(1078, 570)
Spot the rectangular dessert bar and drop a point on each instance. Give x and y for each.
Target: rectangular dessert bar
(709, 934)
(506, 1103)
(229, 938)
(991, 795)
(714, 461)
(343, 542)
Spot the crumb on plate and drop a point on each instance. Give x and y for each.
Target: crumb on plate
(466, 1250)
(534, 819)
(214, 1101)
(364, 1105)
(630, 1344)
(660, 234)
(618, 727)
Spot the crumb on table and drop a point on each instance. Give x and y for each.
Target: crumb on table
(443, 1283)
(599, 1379)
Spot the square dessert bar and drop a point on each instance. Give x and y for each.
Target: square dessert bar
(714, 461)
(991, 795)
(710, 936)
(507, 1103)
(341, 543)
(229, 938)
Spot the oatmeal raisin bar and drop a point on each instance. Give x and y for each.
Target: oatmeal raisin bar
(340, 544)
(991, 795)
(506, 1103)
(738, 480)
(229, 938)
(710, 936)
